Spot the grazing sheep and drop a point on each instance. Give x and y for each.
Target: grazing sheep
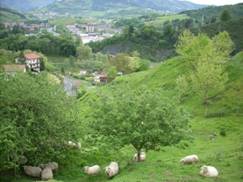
(94, 170)
(52, 165)
(190, 159)
(209, 171)
(74, 145)
(142, 157)
(46, 174)
(32, 171)
(112, 170)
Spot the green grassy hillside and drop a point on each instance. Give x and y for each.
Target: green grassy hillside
(223, 152)
(217, 139)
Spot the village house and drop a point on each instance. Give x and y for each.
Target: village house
(12, 69)
(100, 78)
(83, 72)
(33, 61)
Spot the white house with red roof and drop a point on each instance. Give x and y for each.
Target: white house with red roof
(33, 61)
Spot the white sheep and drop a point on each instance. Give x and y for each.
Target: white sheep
(94, 170)
(32, 171)
(46, 174)
(112, 170)
(209, 171)
(142, 156)
(74, 145)
(190, 159)
(52, 165)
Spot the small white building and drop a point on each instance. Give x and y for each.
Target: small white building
(33, 61)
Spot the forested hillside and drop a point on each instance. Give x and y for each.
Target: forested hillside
(212, 14)
(24, 5)
(112, 8)
(8, 15)
(155, 37)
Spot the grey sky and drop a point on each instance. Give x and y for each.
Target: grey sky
(216, 2)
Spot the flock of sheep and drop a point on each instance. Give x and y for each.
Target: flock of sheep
(45, 171)
(113, 168)
(207, 171)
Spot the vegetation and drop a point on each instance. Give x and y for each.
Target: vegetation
(128, 119)
(36, 120)
(7, 15)
(189, 104)
(46, 43)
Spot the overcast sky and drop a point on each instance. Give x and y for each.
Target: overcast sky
(216, 2)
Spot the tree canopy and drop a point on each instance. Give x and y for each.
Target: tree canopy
(37, 118)
(142, 118)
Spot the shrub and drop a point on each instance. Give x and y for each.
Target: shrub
(36, 121)
(222, 132)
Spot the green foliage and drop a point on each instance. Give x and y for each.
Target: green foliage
(37, 119)
(111, 73)
(127, 64)
(84, 52)
(7, 57)
(214, 12)
(206, 57)
(46, 43)
(142, 118)
(234, 27)
(208, 80)
(7, 15)
(183, 87)
(225, 16)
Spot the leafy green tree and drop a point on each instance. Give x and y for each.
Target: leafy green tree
(208, 80)
(141, 118)
(84, 52)
(37, 119)
(111, 73)
(191, 48)
(206, 57)
(223, 45)
(121, 62)
(182, 86)
(225, 16)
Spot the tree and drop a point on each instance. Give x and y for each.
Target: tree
(225, 16)
(208, 80)
(192, 48)
(141, 118)
(182, 86)
(111, 73)
(37, 119)
(84, 52)
(223, 45)
(207, 58)
(121, 62)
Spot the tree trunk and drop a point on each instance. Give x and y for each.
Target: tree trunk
(139, 155)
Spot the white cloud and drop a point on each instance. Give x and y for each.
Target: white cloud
(216, 2)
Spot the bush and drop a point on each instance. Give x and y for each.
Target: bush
(222, 132)
(36, 121)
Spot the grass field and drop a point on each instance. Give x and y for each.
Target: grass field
(217, 140)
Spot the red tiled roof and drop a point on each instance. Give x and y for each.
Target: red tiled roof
(31, 56)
